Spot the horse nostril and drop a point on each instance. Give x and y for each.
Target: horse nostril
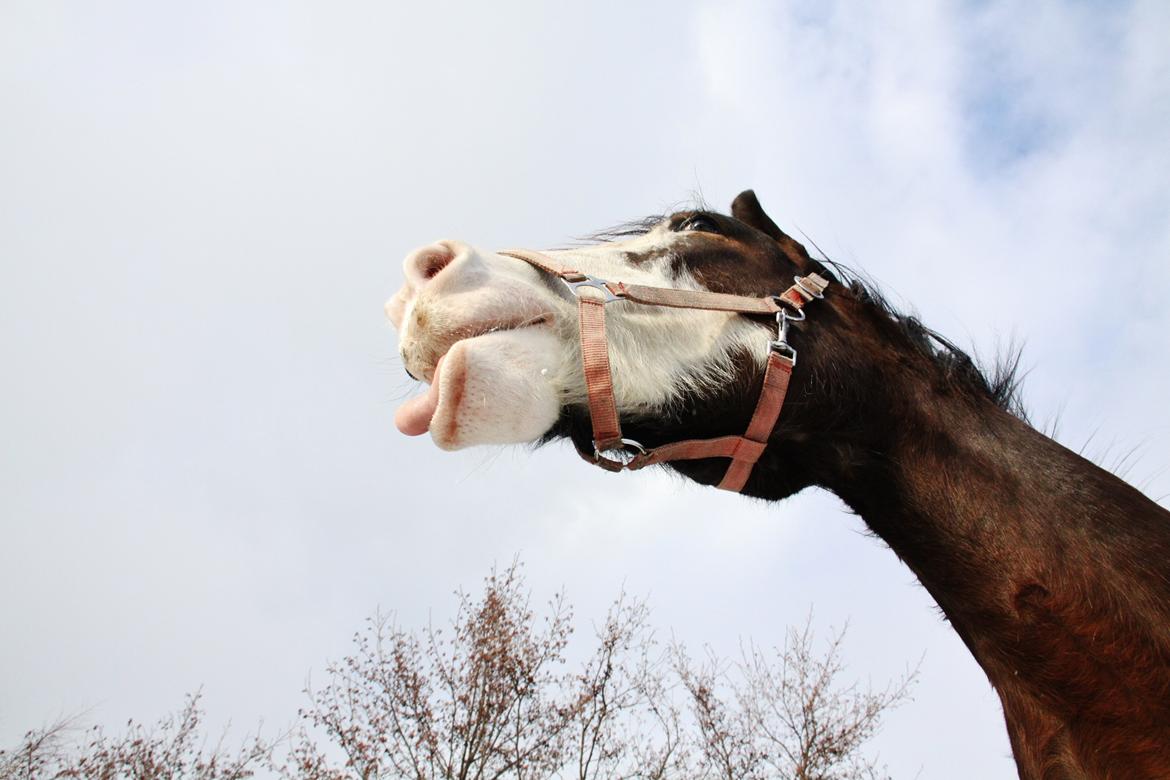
(425, 264)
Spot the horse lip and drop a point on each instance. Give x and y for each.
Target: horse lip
(475, 331)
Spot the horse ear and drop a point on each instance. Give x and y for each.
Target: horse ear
(747, 209)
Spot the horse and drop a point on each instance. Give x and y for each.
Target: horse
(717, 346)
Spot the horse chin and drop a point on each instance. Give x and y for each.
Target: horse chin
(498, 388)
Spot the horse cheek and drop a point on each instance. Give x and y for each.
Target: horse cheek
(498, 389)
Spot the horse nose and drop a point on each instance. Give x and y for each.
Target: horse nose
(420, 268)
(428, 265)
(423, 265)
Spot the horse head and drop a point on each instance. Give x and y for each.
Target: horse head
(498, 339)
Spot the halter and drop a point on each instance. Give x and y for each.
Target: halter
(744, 450)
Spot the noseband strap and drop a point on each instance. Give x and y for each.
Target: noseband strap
(744, 451)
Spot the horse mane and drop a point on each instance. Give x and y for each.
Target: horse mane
(640, 226)
(634, 227)
(1001, 381)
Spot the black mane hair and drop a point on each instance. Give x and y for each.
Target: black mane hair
(1001, 382)
(634, 227)
(640, 226)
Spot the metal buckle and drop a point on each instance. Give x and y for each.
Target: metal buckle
(781, 345)
(799, 282)
(628, 451)
(784, 349)
(601, 285)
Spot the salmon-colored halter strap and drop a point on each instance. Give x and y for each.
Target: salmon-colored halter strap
(743, 450)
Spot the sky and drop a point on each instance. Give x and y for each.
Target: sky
(204, 206)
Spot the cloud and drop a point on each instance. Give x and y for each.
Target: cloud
(200, 217)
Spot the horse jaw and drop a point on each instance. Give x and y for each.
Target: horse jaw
(498, 388)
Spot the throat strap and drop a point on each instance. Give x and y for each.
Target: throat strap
(744, 451)
(776, 377)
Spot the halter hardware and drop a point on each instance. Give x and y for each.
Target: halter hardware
(781, 345)
(816, 291)
(628, 451)
(601, 285)
(744, 451)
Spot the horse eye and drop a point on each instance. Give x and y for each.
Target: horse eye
(700, 223)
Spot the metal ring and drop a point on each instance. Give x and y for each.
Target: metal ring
(788, 315)
(786, 306)
(630, 450)
(799, 282)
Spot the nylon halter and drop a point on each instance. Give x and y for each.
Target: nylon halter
(744, 451)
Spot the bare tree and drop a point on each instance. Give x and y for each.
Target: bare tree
(790, 718)
(493, 699)
(174, 748)
(494, 696)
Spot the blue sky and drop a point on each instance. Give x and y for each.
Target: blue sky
(203, 209)
(1010, 86)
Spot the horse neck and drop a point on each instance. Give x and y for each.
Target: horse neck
(1033, 552)
(983, 507)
